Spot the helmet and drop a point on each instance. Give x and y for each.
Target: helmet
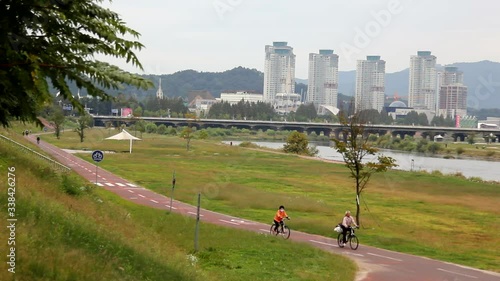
(281, 207)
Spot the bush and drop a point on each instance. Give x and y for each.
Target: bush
(372, 138)
(162, 129)
(249, 144)
(460, 150)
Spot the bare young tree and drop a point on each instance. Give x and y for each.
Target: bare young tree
(354, 146)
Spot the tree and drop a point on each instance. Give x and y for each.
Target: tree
(187, 133)
(297, 143)
(354, 149)
(83, 123)
(58, 119)
(56, 42)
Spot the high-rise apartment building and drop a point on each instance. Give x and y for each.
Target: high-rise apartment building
(422, 92)
(323, 78)
(370, 84)
(452, 93)
(279, 71)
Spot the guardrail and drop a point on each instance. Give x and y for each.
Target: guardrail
(56, 165)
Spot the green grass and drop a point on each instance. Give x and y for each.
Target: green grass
(68, 230)
(437, 216)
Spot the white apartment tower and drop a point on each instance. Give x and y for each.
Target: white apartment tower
(370, 84)
(422, 92)
(452, 93)
(323, 78)
(279, 70)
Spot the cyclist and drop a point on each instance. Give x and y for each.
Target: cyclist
(347, 221)
(278, 218)
(38, 140)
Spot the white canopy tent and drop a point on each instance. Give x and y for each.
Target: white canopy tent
(124, 135)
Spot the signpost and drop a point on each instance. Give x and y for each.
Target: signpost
(197, 228)
(172, 192)
(97, 156)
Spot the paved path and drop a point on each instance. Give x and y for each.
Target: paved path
(375, 264)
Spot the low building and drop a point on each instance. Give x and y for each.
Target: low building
(236, 97)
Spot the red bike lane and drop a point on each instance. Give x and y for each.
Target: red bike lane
(374, 264)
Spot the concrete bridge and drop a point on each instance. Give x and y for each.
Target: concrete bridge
(327, 129)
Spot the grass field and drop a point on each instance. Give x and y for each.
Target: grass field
(68, 230)
(442, 217)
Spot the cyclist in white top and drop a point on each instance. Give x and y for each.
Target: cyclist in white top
(347, 221)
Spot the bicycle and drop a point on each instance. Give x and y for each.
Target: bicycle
(282, 230)
(352, 239)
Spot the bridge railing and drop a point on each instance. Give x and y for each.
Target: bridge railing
(56, 165)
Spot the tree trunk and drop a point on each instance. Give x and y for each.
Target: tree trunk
(357, 209)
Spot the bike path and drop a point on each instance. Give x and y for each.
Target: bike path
(374, 264)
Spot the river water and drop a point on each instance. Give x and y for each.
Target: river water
(486, 170)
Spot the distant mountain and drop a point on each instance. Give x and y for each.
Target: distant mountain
(482, 79)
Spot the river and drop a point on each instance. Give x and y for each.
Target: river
(486, 170)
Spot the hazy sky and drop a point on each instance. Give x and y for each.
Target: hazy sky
(217, 35)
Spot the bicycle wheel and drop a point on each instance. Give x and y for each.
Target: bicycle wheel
(286, 232)
(353, 242)
(340, 240)
(272, 231)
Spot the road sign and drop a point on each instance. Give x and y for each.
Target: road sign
(97, 156)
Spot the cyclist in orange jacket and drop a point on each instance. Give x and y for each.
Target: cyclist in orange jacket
(278, 218)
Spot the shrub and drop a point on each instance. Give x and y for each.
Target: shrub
(460, 150)
(249, 144)
(162, 129)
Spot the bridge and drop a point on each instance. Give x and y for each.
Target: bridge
(327, 129)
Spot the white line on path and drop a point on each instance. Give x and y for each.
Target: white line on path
(380, 256)
(470, 276)
(99, 184)
(323, 243)
(131, 191)
(154, 201)
(142, 195)
(109, 184)
(168, 206)
(132, 185)
(353, 254)
(193, 213)
(229, 222)
(120, 184)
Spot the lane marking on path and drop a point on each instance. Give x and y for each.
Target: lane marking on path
(386, 257)
(99, 184)
(131, 191)
(154, 201)
(109, 184)
(133, 198)
(353, 254)
(142, 195)
(453, 272)
(193, 213)
(132, 185)
(168, 206)
(324, 243)
(229, 222)
(120, 184)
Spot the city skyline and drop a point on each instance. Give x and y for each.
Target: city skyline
(215, 36)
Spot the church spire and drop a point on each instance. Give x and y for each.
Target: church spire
(159, 92)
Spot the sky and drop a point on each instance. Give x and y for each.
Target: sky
(218, 35)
